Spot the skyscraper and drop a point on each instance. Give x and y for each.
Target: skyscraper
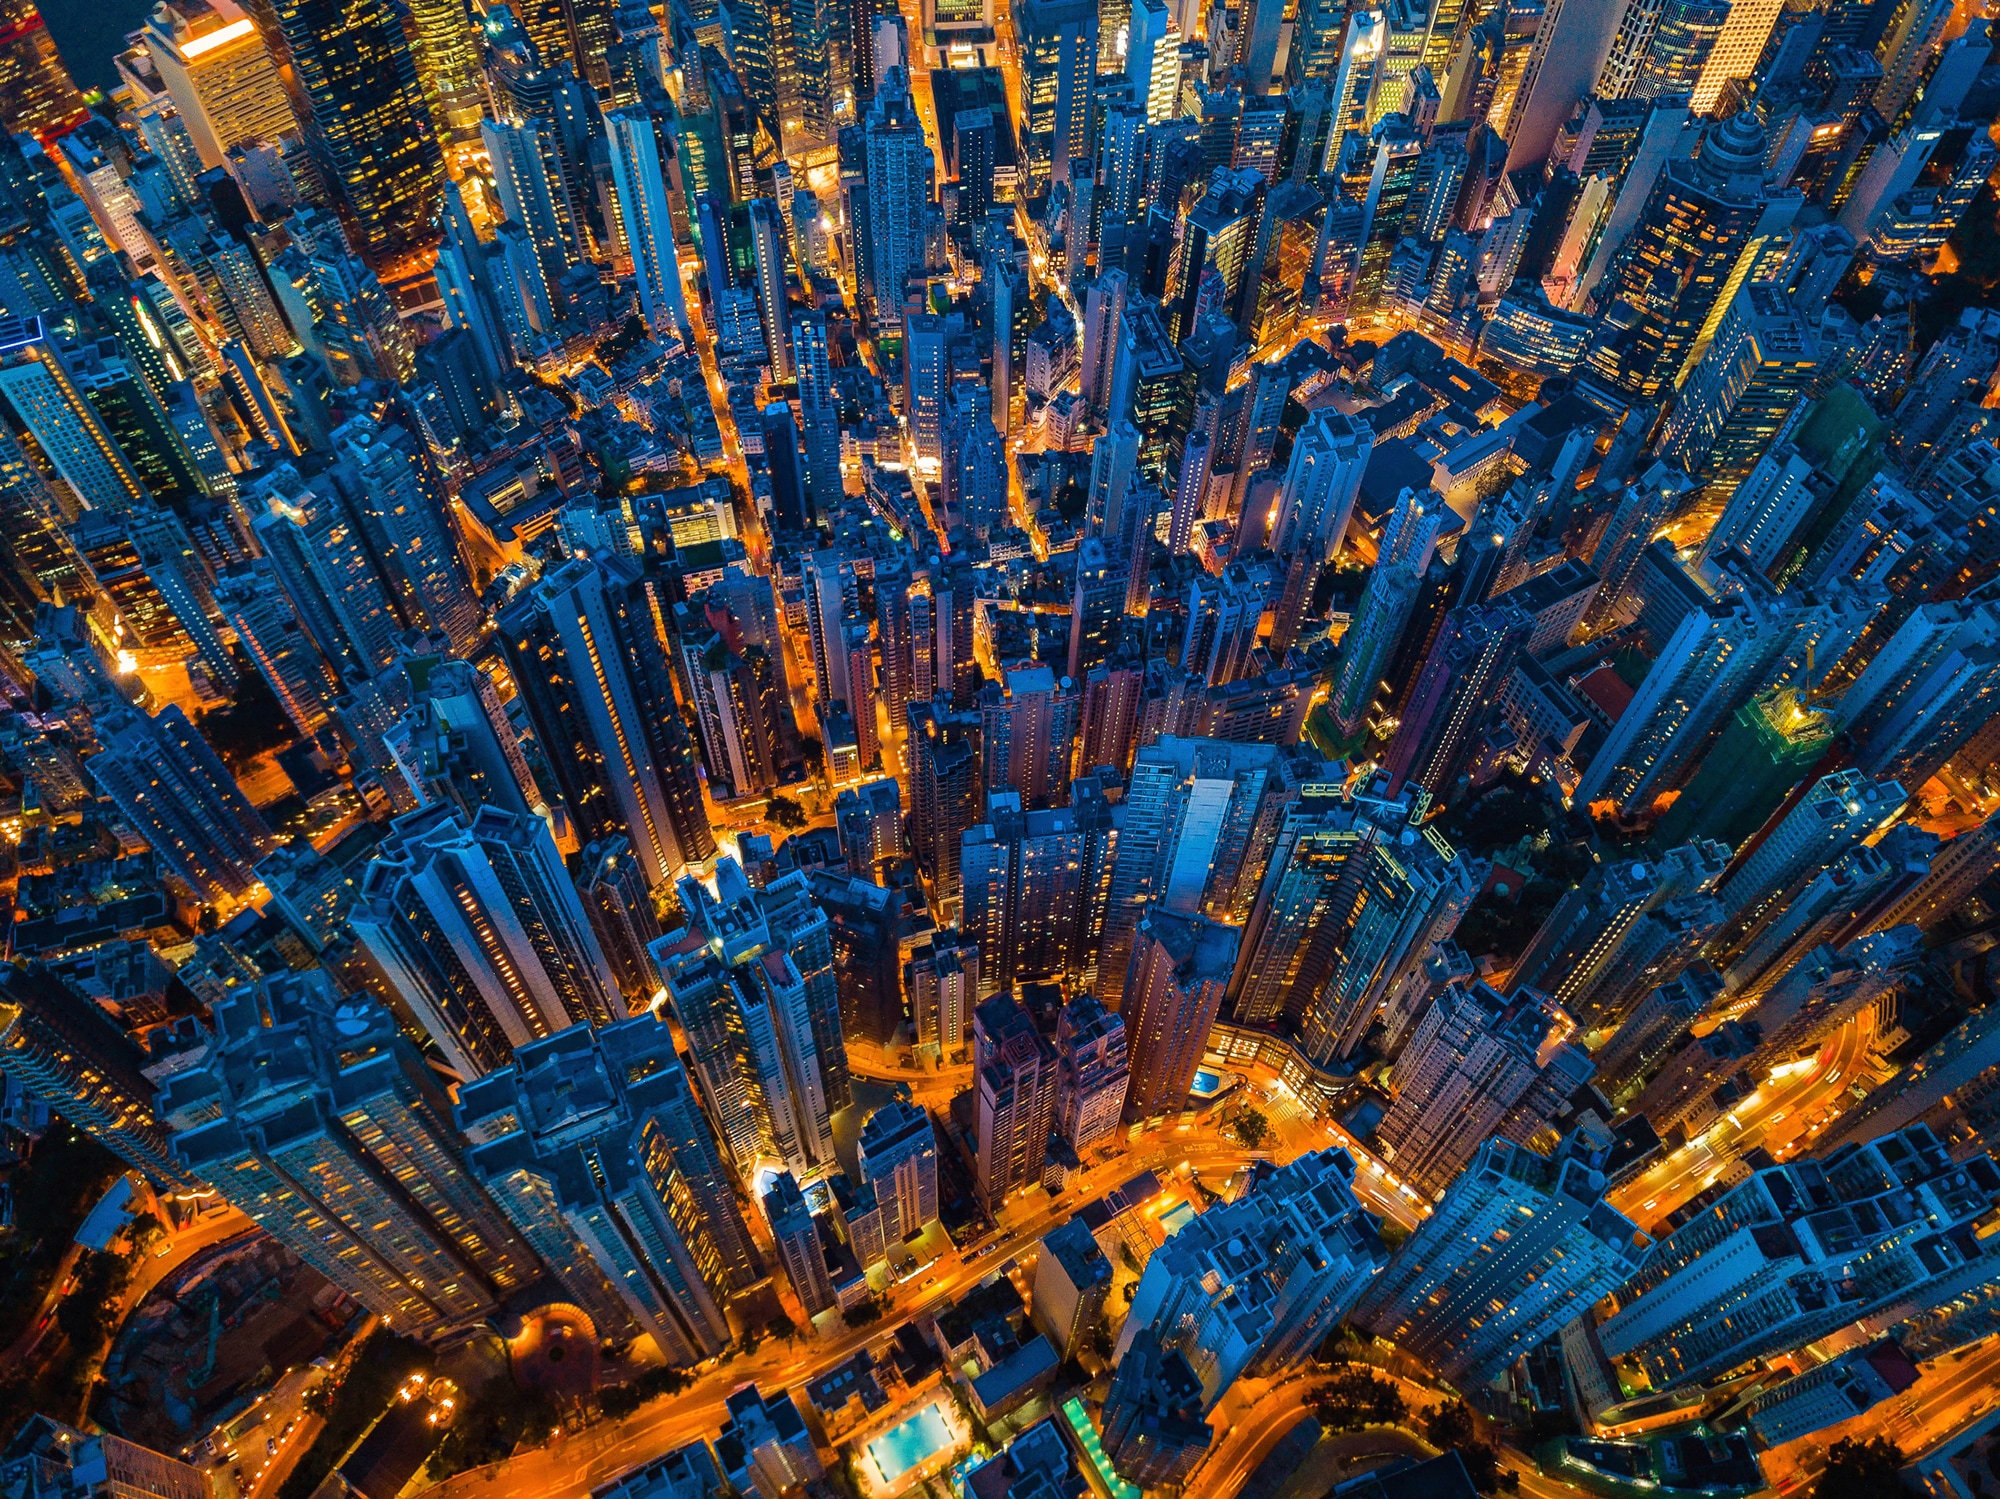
(1014, 1075)
(1462, 677)
(1835, 815)
(1519, 1246)
(312, 1115)
(1191, 840)
(1028, 882)
(944, 792)
(1093, 1072)
(638, 171)
(1058, 66)
(898, 1157)
(37, 95)
(1587, 944)
(795, 1229)
(1026, 728)
(1154, 1432)
(171, 786)
(220, 76)
(899, 174)
(1253, 1286)
(1471, 1070)
(1072, 1279)
(1354, 895)
(256, 608)
(69, 1055)
(1180, 971)
(593, 1144)
(584, 648)
(370, 128)
(323, 560)
(1760, 365)
(620, 910)
(1371, 637)
(1699, 220)
(751, 979)
(445, 48)
(767, 242)
(402, 513)
(1744, 1279)
(480, 934)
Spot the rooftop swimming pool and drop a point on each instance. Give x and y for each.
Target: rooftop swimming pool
(902, 1448)
(1207, 1083)
(1177, 1217)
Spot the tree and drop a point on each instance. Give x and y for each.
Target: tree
(785, 812)
(1449, 1424)
(499, 1419)
(1861, 1470)
(1249, 1126)
(1358, 1398)
(1448, 1427)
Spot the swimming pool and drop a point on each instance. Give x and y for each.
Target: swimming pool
(918, 1439)
(1177, 1217)
(1206, 1083)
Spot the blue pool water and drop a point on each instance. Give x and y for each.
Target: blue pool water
(901, 1448)
(1206, 1083)
(1177, 1217)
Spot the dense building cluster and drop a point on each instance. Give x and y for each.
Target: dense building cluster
(684, 661)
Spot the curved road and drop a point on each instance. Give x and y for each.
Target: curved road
(1777, 1115)
(573, 1464)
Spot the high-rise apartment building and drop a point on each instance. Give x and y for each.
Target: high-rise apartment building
(1153, 1428)
(1800, 1249)
(401, 509)
(1014, 1102)
(479, 932)
(944, 792)
(1252, 1287)
(940, 990)
(1472, 1070)
(584, 648)
(1586, 947)
(594, 1145)
(869, 819)
(1200, 817)
(1027, 723)
(72, 1057)
(619, 908)
(1519, 1246)
(174, 789)
(639, 172)
(899, 175)
(1033, 885)
(1462, 678)
(1837, 814)
(310, 1113)
(1072, 1279)
(370, 129)
(751, 979)
(1353, 897)
(1093, 1072)
(795, 1229)
(1179, 974)
(898, 1157)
